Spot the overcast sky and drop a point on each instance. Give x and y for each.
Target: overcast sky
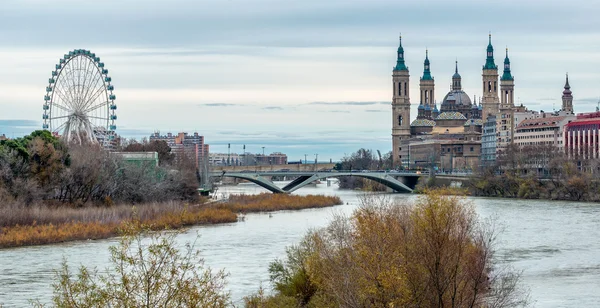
(299, 77)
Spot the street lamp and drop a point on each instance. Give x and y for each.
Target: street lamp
(305, 158)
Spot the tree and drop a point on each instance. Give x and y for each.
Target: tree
(148, 270)
(432, 253)
(165, 157)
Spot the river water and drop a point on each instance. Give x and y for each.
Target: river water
(555, 244)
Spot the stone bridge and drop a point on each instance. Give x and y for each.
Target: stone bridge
(268, 168)
(398, 181)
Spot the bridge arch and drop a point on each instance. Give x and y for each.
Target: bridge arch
(305, 178)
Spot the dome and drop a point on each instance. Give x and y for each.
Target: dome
(427, 107)
(421, 107)
(453, 115)
(459, 96)
(422, 122)
(476, 122)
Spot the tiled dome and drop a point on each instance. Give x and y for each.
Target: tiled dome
(476, 122)
(422, 122)
(451, 115)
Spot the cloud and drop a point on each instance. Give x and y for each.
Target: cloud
(375, 110)
(20, 123)
(347, 103)
(339, 111)
(218, 105)
(587, 100)
(272, 108)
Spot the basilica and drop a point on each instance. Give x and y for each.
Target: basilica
(459, 120)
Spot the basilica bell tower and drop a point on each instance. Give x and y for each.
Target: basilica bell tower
(400, 106)
(491, 102)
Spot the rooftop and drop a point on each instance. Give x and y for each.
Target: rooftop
(541, 122)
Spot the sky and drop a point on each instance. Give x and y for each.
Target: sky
(298, 77)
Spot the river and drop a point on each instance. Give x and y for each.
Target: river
(555, 244)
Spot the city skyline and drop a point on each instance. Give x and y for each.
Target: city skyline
(305, 78)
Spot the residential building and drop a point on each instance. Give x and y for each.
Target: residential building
(225, 159)
(488, 142)
(275, 158)
(185, 145)
(542, 131)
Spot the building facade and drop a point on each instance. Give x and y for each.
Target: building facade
(580, 137)
(400, 104)
(542, 131)
(488, 142)
(183, 145)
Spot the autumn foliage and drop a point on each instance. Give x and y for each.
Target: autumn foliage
(433, 253)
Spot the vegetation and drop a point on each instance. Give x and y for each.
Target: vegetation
(363, 159)
(41, 169)
(433, 253)
(267, 202)
(148, 270)
(539, 172)
(43, 225)
(35, 225)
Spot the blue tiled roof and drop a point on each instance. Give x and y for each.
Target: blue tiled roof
(476, 122)
(451, 115)
(422, 122)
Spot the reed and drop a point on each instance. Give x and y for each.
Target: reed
(267, 202)
(67, 224)
(45, 224)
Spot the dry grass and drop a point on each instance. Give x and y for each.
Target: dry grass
(267, 202)
(42, 224)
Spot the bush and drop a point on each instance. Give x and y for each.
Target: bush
(432, 253)
(148, 271)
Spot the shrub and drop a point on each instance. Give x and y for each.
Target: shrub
(432, 253)
(148, 270)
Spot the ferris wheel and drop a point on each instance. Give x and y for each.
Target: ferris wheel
(79, 105)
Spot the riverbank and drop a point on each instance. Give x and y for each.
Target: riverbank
(39, 225)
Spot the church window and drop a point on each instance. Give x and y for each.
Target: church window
(495, 86)
(489, 86)
(400, 120)
(400, 88)
(405, 89)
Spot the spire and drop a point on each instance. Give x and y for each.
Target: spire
(567, 91)
(456, 79)
(426, 68)
(456, 74)
(507, 75)
(400, 65)
(489, 61)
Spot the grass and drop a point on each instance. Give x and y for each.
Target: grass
(42, 224)
(267, 202)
